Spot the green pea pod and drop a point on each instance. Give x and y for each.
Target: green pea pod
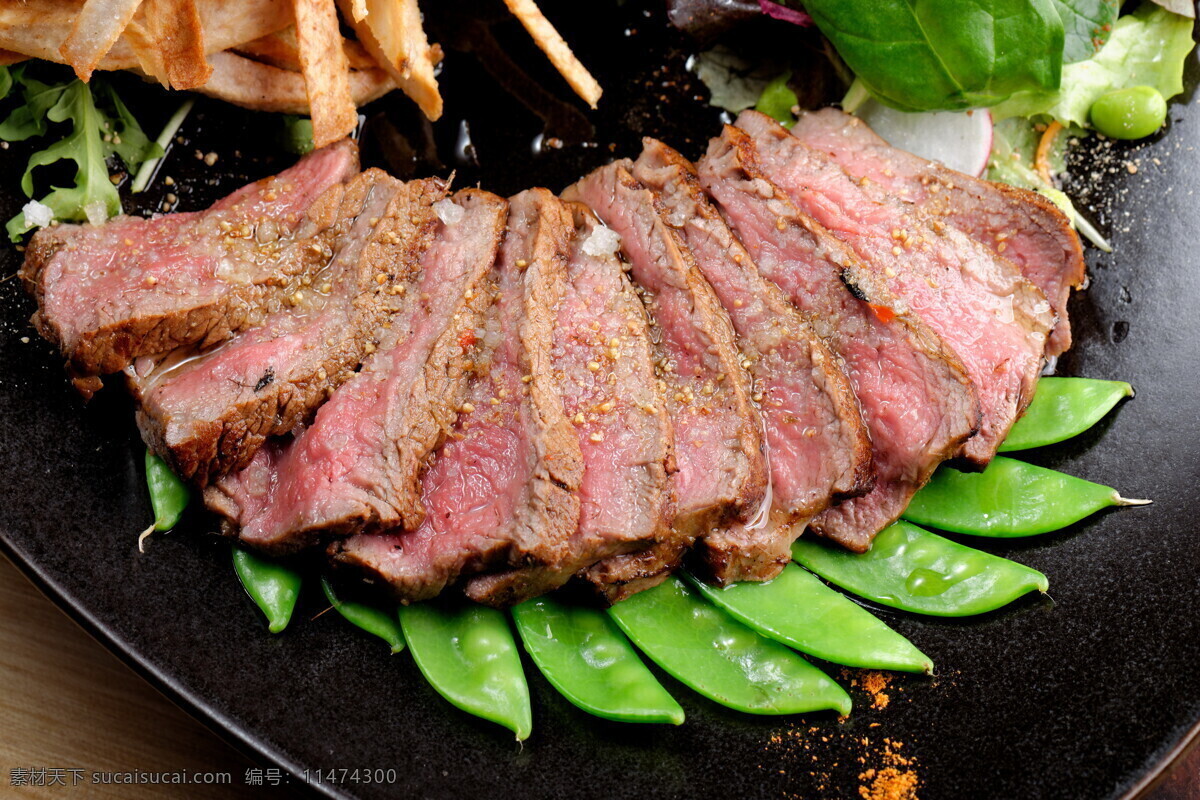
(374, 620)
(796, 608)
(169, 496)
(1062, 408)
(273, 586)
(1009, 499)
(587, 659)
(706, 649)
(468, 655)
(914, 570)
(777, 100)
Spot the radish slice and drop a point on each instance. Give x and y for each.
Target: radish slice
(961, 140)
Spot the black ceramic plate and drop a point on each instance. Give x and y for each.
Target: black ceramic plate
(1077, 694)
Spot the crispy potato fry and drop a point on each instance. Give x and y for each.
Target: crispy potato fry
(167, 38)
(261, 87)
(392, 33)
(37, 28)
(97, 27)
(281, 49)
(326, 71)
(358, 10)
(8, 58)
(556, 50)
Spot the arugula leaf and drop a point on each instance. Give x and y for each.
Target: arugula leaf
(945, 54)
(1147, 48)
(96, 135)
(1087, 24)
(6, 82)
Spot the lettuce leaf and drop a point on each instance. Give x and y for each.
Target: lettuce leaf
(1087, 24)
(1147, 48)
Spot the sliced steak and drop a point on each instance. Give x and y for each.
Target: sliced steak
(140, 287)
(976, 301)
(503, 488)
(721, 472)
(798, 381)
(358, 466)
(1023, 226)
(605, 370)
(207, 412)
(916, 398)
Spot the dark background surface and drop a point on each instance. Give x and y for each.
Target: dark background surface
(1075, 694)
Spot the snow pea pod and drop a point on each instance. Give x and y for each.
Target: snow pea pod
(374, 620)
(706, 649)
(1062, 408)
(914, 570)
(468, 655)
(588, 660)
(796, 608)
(1009, 499)
(169, 496)
(271, 585)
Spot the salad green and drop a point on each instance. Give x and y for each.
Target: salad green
(101, 128)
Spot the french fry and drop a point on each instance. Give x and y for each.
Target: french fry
(281, 49)
(261, 87)
(391, 32)
(8, 58)
(97, 27)
(167, 38)
(358, 10)
(37, 28)
(326, 71)
(556, 49)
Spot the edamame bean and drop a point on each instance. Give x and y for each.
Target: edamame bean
(384, 624)
(468, 655)
(914, 570)
(1008, 499)
(777, 100)
(1062, 408)
(587, 659)
(796, 608)
(271, 585)
(169, 496)
(1131, 113)
(706, 649)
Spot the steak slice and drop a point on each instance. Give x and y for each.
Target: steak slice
(604, 367)
(503, 488)
(139, 287)
(1023, 226)
(208, 412)
(721, 472)
(792, 370)
(976, 301)
(358, 466)
(917, 400)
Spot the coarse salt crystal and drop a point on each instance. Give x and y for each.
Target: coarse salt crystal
(448, 211)
(97, 212)
(37, 214)
(603, 241)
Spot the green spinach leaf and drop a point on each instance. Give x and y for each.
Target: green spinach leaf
(922, 55)
(1087, 25)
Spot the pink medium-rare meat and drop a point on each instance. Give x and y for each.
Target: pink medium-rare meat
(977, 302)
(792, 369)
(788, 361)
(721, 474)
(1020, 225)
(358, 466)
(207, 413)
(140, 287)
(916, 398)
(503, 488)
(604, 368)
